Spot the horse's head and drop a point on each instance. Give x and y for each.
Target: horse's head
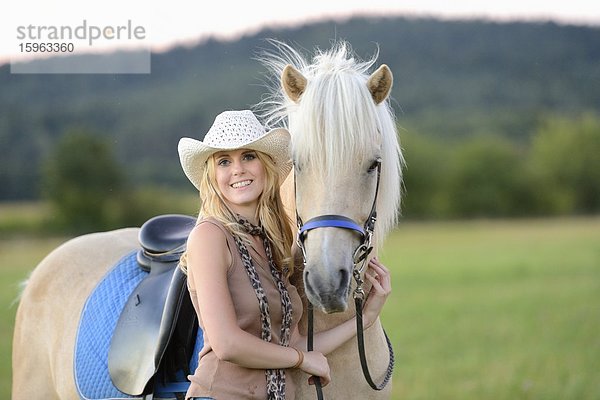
(343, 134)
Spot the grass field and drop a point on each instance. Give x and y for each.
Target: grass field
(496, 310)
(479, 310)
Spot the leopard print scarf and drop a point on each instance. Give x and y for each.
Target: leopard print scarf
(275, 377)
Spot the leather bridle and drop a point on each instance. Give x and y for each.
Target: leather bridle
(359, 260)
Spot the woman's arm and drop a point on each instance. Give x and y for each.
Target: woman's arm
(208, 261)
(329, 340)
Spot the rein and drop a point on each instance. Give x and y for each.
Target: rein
(360, 258)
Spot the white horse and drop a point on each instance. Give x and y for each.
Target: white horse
(342, 126)
(340, 123)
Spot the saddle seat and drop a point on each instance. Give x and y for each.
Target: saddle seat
(157, 327)
(163, 238)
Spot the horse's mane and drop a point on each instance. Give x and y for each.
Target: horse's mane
(337, 118)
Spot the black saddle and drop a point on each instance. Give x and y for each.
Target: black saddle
(157, 328)
(163, 238)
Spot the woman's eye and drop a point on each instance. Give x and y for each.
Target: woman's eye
(223, 162)
(249, 156)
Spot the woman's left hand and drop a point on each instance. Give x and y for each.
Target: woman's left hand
(380, 278)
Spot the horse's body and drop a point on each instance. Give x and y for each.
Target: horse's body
(340, 183)
(48, 314)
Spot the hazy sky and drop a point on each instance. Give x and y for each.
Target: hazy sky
(178, 21)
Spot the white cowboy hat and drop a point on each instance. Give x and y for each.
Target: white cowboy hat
(234, 130)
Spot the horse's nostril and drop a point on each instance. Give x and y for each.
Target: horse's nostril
(344, 280)
(307, 284)
(343, 277)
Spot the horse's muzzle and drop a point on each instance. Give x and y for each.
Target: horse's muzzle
(330, 294)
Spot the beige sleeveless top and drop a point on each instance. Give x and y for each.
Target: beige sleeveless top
(223, 380)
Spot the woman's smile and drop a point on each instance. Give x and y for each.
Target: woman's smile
(241, 184)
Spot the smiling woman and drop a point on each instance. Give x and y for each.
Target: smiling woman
(239, 263)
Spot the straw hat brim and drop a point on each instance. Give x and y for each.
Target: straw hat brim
(193, 153)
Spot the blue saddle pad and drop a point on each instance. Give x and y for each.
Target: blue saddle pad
(96, 326)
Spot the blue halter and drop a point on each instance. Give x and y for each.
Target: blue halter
(330, 221)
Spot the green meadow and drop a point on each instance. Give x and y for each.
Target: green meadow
(479, 309)
(496, 310)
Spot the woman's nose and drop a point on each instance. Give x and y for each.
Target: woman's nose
(238, 168)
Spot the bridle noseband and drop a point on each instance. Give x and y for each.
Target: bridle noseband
(359, 260)
(340, 221)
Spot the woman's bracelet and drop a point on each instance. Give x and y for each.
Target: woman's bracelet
(300, 358)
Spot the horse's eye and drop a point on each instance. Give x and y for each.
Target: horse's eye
(375, 164)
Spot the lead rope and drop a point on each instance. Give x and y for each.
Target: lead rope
(359, 296)
(309, 347)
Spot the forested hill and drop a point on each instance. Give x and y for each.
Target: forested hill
(452, 79)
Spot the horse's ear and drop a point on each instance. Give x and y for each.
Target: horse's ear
(293, 83)
(380, 83)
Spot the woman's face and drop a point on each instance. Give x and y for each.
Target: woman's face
(240, 178)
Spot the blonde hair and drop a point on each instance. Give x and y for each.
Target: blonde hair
(270, 212)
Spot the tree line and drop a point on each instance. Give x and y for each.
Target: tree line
(556, 173)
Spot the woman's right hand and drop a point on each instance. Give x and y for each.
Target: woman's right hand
(381, 282)
(315, 364)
